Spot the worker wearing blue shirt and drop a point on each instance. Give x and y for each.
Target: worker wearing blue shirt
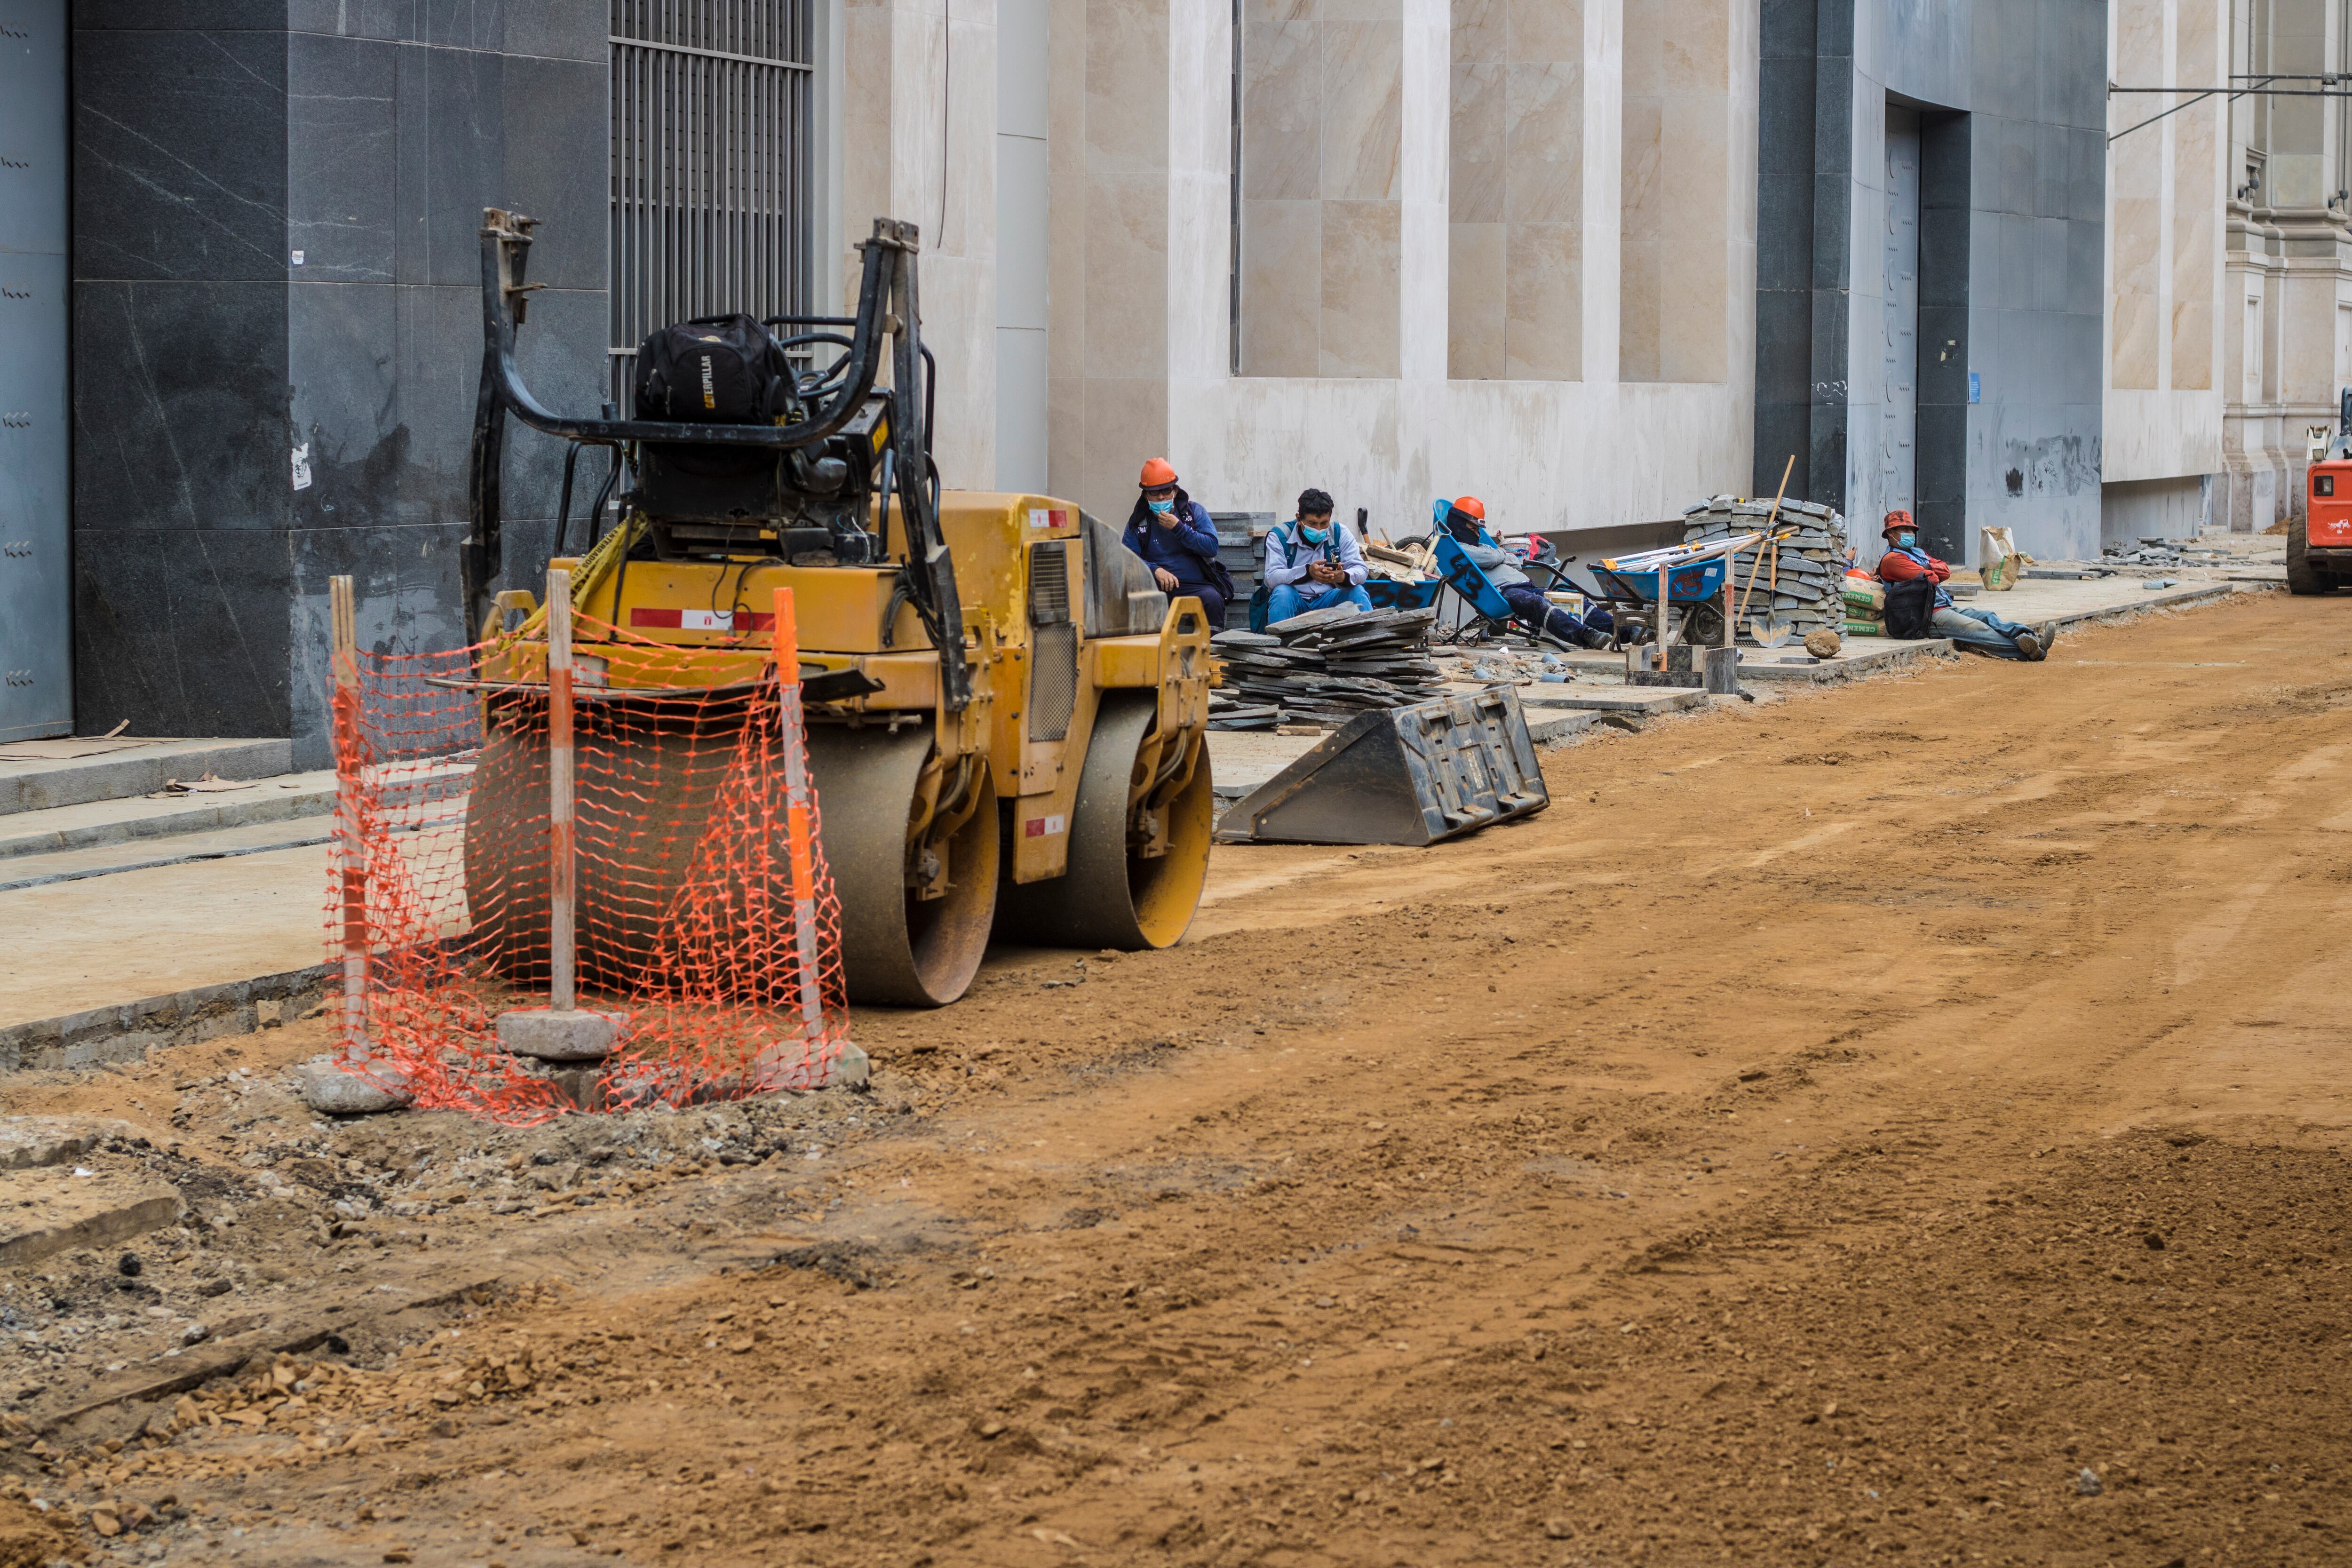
(1313, 562)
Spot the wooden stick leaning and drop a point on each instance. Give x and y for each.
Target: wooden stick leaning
(1771, 539)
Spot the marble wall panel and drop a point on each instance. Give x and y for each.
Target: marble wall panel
(1545, 31)
(1475, 152)
(180, 154)
(1476, 279)
(1282, 113)
(1322, 122)
(1518, 156)
(2196, 203)
(1360, 306)
(1282, 287)
(342, 148)
(1544, 327)
(181, 423)
(1363, 104)
(1127, 285)
(181, 631)
(1544, 142)
(1481, 31)
(1675, 211)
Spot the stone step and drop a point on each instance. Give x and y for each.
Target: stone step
(103, 823)
(33, 779)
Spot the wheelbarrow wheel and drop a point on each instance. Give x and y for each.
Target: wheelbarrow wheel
(1703, 623)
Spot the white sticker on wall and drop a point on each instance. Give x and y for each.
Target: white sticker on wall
(302, 467)
(297, 259)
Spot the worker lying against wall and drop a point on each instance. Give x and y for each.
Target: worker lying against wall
(1597, 628)
(1313, 562)
(1178, 541)
(1905, 561)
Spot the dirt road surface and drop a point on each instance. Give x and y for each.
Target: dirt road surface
(1902, 1121)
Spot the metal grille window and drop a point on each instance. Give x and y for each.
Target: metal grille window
(711, 164)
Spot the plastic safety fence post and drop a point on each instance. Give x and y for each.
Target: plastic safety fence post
(351, 845)
(561, 846)
(786, 649)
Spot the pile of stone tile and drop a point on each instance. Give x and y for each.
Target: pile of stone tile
(1811, 570)
(1324, 666)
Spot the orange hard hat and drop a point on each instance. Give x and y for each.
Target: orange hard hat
(1472, 505)
(1157, 474)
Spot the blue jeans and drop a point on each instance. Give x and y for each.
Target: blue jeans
(1288, 599)
(1979, 629)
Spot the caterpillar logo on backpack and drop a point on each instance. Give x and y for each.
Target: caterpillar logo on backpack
(709, 393)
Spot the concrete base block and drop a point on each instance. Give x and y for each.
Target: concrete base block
(1723, 671)
(579, 1036)
(327, 1087)
(844, 1066)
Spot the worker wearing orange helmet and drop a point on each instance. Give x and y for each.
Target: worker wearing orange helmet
(1980, 631)
(1174, 535)
(1466, 519)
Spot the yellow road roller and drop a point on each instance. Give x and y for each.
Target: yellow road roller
(1006, 718)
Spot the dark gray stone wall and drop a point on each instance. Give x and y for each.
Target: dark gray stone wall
(2012, 97)
(214, 140)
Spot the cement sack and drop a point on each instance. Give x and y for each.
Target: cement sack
(2000, 563)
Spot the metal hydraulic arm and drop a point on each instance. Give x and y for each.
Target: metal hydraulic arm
(888, 305)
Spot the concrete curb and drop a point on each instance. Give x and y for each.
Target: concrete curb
(34, 787)
(286, 806)
(129, 1030)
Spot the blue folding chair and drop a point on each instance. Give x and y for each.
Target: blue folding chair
(1464, 577)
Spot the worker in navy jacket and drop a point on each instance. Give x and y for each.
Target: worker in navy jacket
(1173, 534)
(1980, 630)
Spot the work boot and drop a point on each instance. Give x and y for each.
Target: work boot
(2029, 646)
(2047, 636)
(1599, 642)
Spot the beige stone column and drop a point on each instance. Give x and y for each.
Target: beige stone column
(1108, 190)
(1604, 142)
(917, 124)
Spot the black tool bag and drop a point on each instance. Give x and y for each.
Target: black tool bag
(713, 370)
(1911, 608)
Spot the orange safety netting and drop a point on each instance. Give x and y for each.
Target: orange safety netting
(688, 922)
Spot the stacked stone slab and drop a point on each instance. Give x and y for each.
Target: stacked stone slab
(1324, 666)
(1812, 562)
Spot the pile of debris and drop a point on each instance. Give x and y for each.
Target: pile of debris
(2158, 553)
(1807, 584)
(1324, 666)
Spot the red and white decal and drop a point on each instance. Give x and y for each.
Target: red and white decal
(703, 620)
(1048, 517)
(1042, 826)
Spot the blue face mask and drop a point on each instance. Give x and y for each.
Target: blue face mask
(1313, 535)
(1906, 538)
(1162, 508)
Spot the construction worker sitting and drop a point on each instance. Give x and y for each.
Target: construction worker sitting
(1466, 523)
(1980, 630)
(1313, 562)
(1174, 535)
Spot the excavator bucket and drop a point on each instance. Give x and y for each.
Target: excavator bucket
(1401, 776)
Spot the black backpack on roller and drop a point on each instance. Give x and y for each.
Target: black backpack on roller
(713, 370)
(1911, 608)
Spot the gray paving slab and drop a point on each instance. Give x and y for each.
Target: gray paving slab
(150, 854)
(91, 824)
(30, 782)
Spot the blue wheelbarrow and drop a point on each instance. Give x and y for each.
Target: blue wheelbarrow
(1697, 585)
